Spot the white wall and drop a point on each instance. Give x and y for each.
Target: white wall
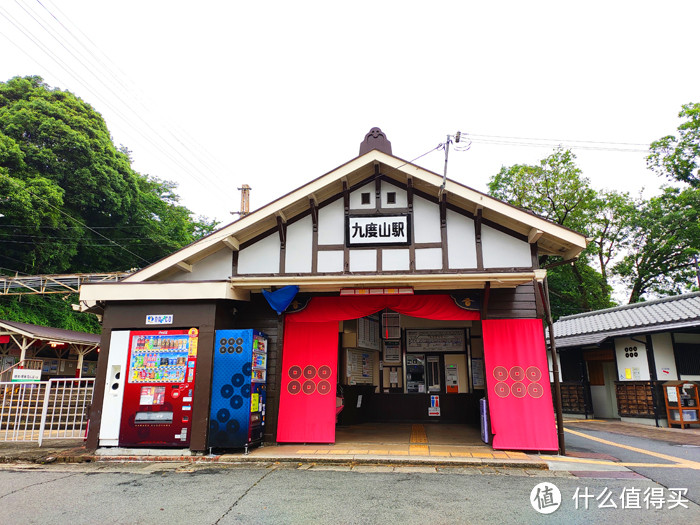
(331, 223)
(330, 261)
(663, 357)
(363, 261)
(401, 196)
(623, 363)
(426, 221)
(215, 267)
(429, 259)
(356, 197)
(394, 260)
(461, 241)
(298, 250)
(500, 250)
(261, 257)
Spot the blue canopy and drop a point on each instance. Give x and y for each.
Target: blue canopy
(279, 299)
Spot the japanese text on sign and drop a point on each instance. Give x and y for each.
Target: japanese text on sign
(378, 230)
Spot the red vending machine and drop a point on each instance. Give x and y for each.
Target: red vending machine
(157, 406)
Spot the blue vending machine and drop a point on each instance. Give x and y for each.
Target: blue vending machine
(238, 392)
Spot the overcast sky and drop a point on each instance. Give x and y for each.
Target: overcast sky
(215, 94)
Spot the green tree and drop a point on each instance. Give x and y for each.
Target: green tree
(69, 187)
(665, 236)
(678, 158)
(556, 190)
(71, 201)
(609, 228)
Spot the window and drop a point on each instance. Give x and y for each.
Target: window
(688, 358)
(391, 197)
(365, 198)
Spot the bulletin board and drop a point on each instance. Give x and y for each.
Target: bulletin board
(359, 366)
(440, 340)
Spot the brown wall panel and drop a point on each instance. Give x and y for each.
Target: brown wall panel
(513, 303)
(186, 314)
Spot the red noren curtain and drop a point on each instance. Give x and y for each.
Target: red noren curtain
(517, 378)
(310, 355)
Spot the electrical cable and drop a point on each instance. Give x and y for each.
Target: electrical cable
(204, 179)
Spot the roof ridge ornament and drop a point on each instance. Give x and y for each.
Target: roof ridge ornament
(375, 139)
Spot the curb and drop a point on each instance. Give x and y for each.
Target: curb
(340, 461)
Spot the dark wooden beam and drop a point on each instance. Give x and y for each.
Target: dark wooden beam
(282, 230)
(485, 304)
(477, 236)
(314, 213)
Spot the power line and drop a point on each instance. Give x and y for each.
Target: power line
(193, 169)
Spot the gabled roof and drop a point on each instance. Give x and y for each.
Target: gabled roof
(47, 333)
(670, 313)
(551, 238)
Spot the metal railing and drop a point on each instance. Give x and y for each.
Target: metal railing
(53, 409)
(27, 364)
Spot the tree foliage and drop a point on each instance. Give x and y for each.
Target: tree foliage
(71, 201)
(678, 158)
(665, 237)
(556, 190)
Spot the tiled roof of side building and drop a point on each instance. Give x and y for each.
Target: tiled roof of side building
(669, 312)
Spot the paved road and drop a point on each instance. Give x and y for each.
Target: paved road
(669, 464)
(170, 493)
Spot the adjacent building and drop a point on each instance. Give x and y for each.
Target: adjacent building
(614, 362)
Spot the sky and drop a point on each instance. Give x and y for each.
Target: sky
(217, 94)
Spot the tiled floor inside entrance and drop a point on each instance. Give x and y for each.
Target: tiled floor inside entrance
(405, 439)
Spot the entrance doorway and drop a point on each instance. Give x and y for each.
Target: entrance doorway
(422, 373)
(602, 376)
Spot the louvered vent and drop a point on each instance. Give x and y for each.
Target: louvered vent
(391, 327)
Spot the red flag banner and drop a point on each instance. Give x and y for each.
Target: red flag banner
(517, 378)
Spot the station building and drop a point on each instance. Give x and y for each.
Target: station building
(412, 295)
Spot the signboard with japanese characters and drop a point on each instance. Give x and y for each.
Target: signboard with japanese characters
(378, 230)
(22, 375)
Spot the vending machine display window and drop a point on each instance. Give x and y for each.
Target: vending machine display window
(159, 389)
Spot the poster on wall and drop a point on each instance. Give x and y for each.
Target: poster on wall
(392, 352)
(478, 372)
(442, 340)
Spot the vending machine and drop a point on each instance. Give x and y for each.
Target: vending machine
(159, 387)
(238, 391)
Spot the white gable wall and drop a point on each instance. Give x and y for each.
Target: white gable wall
(500, 250)
(461, 241)
(356, 198)
(363, 261)
(426, 221)
(298, 250)
(394, 260)
(330, 261)
(401, 196)
(215, 267)
(331, 223)
(261, 257)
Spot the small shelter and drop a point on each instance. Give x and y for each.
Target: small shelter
(57, 352)
(614, 362)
